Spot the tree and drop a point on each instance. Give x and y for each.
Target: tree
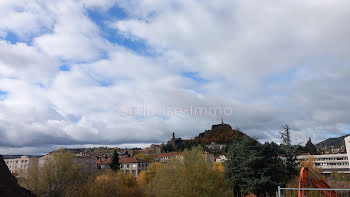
(241, 167)
(289, 152)
(145, 157)
(291, 163)
(59, 174)
(115, 165)
(110, 183)
(286, 139)
(31, 179)
(189, 176)
(254, 168)
(146, 176)
(219, 166)
(273, 168)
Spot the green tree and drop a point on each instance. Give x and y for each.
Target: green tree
(286, 139)
(115, 165)
(273, 168)
(242, 164)
(254, 168)
(289, 152)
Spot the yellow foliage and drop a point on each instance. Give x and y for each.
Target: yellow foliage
(190, 176)
(145, 157)
(219, 166)
(308, 162)
(147, 175)
(111, 183)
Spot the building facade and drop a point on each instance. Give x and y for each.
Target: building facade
(133, 166)
(18, 165)
(329, 162)
(103, 163)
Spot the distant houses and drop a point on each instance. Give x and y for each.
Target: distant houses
(215, 147)
(129, 165)
(165, 157)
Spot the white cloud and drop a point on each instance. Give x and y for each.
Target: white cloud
(26, 62)
(271, 63)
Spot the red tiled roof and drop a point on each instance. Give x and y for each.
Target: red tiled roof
(131, 160)
(170, 154)
(104, 161)
(121, 160)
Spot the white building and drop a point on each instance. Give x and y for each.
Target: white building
(221, 158)
(18, 165)
(329, 162)
(347, 145)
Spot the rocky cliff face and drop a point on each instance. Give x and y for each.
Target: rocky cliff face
(8, 183)
(310, 147)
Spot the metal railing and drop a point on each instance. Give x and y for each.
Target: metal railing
(313, 192)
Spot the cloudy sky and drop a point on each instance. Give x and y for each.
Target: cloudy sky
(128, 72)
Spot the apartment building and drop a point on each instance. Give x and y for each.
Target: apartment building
(18, 165)
(328, 162)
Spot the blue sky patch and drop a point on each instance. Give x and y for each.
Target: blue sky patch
(195, 76)
(103, 19)
(3, 95)
(105, 83)
(64, 68)
(12, 38)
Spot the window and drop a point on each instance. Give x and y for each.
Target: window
(127, 165)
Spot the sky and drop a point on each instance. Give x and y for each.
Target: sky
(130, 72)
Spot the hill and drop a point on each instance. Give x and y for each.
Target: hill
(220, 134)
(336, 142)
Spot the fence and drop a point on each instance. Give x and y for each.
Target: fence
(313, 192)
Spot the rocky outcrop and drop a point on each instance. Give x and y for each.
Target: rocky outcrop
(8, 183)
(310, 147)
